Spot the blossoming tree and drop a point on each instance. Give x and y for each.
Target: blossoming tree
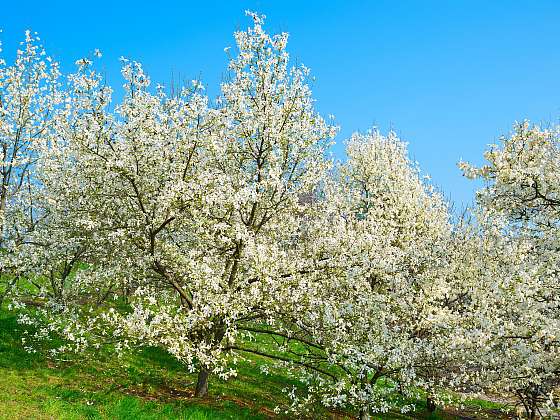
(29, 97)
(191, 208)
(519, 308)
(373, 319)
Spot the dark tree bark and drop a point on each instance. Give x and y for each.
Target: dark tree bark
(430, 405)
(202, 383)
(364, 414)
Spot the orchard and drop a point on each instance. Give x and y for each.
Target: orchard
(220, 229)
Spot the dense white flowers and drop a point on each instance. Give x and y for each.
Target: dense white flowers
(369, 305)
(29, 97)
(188, 210)
(517, 306)
(217, 229)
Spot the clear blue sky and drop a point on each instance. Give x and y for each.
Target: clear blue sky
(449, 76)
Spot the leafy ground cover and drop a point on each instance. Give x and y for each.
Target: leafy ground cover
(151, 385)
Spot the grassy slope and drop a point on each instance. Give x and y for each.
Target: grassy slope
(147, 385)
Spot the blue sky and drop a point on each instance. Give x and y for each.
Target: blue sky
(449, 76)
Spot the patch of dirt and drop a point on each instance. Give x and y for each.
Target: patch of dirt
(472, 414)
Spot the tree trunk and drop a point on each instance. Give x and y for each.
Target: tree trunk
(9, 285)
(202, 383)
(430, 405)
(215, 336)
(364, 414)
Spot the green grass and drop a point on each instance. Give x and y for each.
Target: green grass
(147, 385)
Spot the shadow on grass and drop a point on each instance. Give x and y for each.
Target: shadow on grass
(12, 353)
(149, 384)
